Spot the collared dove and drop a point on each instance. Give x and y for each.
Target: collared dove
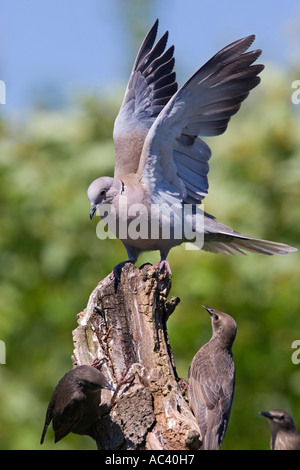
(160, 160)
(284, 433)
(212, 379)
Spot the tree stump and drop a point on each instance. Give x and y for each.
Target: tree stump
(126, 325)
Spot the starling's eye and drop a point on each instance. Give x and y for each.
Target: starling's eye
(216, 317)
(103, 193)
(281, 417)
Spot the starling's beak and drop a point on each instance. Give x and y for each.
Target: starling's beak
(266, 414)
(93, 210)
(210, 310)
(109, 387)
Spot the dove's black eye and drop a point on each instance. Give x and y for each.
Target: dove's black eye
(103, 193)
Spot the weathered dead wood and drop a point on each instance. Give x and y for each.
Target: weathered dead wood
(127, 326)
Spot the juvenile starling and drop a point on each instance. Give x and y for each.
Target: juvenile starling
(284, 433)
(211, 381)
(74, 404)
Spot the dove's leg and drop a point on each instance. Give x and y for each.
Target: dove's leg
(118, 269)
(164, 263)
(133, 254)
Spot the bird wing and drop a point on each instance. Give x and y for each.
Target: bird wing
(66, 420)
(151, 85)
(173, 155)
(210, 398)
(226, 399)
(48, 418)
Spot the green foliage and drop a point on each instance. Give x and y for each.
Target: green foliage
(51, 259)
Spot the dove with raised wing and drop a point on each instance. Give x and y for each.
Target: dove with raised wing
(161, 165)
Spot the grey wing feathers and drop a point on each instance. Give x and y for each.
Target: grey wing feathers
(218, 88)
(222, 84)
(194, 166)
(151, 85)
(153, 78)
(203, 106)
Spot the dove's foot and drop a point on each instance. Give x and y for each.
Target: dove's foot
(116, 272)
(164, 263)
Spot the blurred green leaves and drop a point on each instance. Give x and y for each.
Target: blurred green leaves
(51, 259)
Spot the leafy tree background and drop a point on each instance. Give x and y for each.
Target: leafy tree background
(51, 259)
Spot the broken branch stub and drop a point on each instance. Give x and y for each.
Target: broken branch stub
(126, 325)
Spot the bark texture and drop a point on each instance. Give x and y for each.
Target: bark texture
(125, 323)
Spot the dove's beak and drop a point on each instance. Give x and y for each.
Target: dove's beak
(93, 210)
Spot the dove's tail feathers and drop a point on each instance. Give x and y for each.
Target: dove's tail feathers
(233, 244)
(219, 238)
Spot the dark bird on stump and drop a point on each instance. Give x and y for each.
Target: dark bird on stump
(212, 379)
(74, 405)
(161, 164)
(284, 433)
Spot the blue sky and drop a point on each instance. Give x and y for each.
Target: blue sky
(69, 46)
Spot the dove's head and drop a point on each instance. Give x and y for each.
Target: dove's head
(103, 190)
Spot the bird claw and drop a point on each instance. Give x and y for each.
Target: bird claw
(116, 272)
(123, 381)
(164, 264)
(97, 363)
(184, 386)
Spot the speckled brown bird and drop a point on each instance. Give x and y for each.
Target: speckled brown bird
(284, 433)
(212, 379)
(75, 402)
